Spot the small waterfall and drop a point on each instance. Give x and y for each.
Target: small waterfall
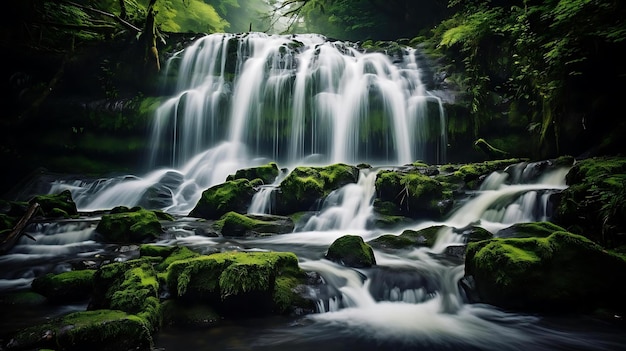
(262, 201)
(349, 207)
(54, 244)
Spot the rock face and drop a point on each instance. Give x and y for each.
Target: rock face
(556, 273)
(351, 251)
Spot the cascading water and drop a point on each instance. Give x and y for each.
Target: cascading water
(243, 100)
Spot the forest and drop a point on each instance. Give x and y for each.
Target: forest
(297, 174)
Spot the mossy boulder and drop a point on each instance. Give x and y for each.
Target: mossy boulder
(56, 205)
(351, 251)
(267, 173)
(65, 287)
(234, 224)
(469, 176)
(306, 186)
(413, 194)
(102, 330)
(130, 286)
(530, 230)
(240, 283)
(124, 225)
(233, 195)
(594, 203)
(168, 254)
(562, 272)
(409, 238)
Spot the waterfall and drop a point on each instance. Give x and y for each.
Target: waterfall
(289, 97)
(245, 99)
(262, 201)
(349, 207)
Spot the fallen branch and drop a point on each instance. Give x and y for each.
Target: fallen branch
(18, 230)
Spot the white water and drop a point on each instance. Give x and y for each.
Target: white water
(245, 100)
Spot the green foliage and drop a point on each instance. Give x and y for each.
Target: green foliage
(594, 202)
(189, 16)
(552, 46)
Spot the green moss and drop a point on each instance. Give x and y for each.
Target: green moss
(594, 204)
(105, 330)
(56, 205)
(352, 251)
(305, 186)
(423, 237)
(156, 250)
(130, 286)
(132, 226)
(175, 254)
(66, 286)
(391, 241)
(471, 172)
(235, 282)
(235, 224)
(22, 298)
(266, 173)
(562, 271)
(233, 195)
(412, 194)
(531, 229)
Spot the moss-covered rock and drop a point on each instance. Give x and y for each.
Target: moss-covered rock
(306, 186)
(233, 195)
(267, 173)
(235, 224)
(470, 175)
(102, 330)
(65, 287)
(123, 225)
(413, 194)
(530, 230)
(56, 205)
(169, 254)
(409, 238)
(351, 251)
(130, 286)
(594, 203)
(557, 273)
(239, 283)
